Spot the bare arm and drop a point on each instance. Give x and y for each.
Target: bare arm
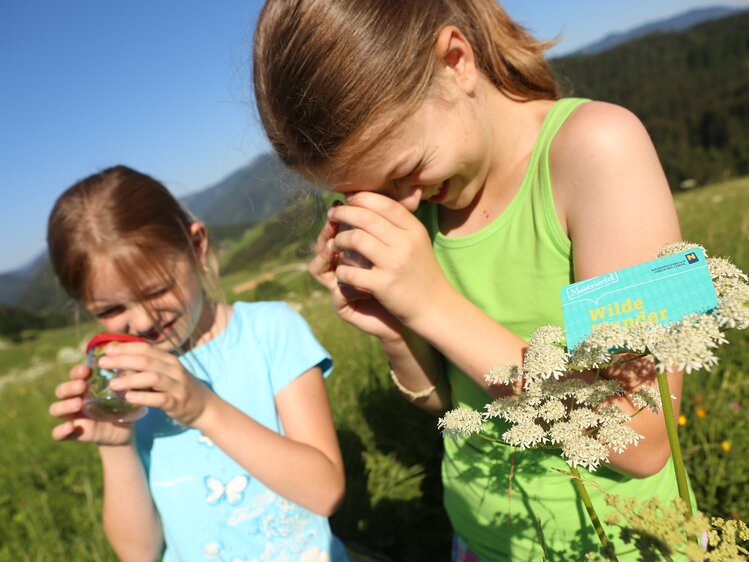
(305, 464)
(613, 199)
(417, 366)
(131, 521)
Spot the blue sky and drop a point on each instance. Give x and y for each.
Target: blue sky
(164, 86)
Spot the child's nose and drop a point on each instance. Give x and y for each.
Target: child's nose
(141, 320)
(409, 195)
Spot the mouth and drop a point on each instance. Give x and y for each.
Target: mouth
(441, 194)
(160, 335)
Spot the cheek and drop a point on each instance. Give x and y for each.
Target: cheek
(113, 325)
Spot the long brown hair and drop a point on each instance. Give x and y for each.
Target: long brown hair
(124, 217)
(326, 69)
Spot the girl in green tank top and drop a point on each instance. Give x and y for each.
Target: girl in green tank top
(473, 195)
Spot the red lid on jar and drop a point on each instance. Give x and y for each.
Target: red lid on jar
(103, 339)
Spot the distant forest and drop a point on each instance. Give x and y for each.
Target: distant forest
(690, 89)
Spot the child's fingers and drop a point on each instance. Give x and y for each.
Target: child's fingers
(380, 204)
(68, 430)
(66, 408)
(69, 389)
(80, 372)
(378, 225)
(322, 265)
(142, 380)
(328, 231)
(63, 431)
(144, 398)
(140, 357)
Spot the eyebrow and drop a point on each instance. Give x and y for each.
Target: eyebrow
(146, 291)
(394, 171)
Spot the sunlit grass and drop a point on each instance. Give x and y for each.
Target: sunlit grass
(50, 492)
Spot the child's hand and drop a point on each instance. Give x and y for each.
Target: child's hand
(155, 378)
(77, 426)
(356, 307)
(405, 276)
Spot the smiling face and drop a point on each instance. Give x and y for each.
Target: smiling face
(441, 152)
(165, 310)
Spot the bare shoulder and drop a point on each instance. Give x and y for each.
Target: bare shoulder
(598, 132)
(609, 188)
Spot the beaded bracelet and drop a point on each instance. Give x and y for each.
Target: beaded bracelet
(413, 395)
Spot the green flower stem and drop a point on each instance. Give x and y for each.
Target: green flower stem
(636, 357)
(490, 439)
(597, 525)
(673, 441)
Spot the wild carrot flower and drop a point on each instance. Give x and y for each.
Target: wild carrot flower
(525, 434)
(546, 356)
(503, 374)
(688, 344)
(647, 397)
(460, 422)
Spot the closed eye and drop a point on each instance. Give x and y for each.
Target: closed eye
(109, 312)
(158, 293)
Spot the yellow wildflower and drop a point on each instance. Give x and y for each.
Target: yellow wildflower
(682, 420)
(725, 445)
(700, 412)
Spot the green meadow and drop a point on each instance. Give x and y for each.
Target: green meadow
(50, 492)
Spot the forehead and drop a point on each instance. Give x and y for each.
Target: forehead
(106, 284)
(117, 283)
(389, 156)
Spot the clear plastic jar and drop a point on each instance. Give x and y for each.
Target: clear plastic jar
(100, 401)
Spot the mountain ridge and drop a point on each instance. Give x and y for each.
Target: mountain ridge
(679, 22)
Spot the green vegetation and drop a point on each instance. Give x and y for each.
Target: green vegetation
(50, 492)
(690, 89)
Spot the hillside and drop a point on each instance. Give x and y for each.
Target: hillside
(691, 89)
(680, 22)
(249, 195)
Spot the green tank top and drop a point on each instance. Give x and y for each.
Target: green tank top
(500, 500)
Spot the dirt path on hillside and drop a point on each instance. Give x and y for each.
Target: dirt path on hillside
(267, 276)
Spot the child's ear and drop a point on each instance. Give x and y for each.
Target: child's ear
(199, 236)
(455, 54)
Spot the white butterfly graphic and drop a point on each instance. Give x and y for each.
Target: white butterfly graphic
(213, 550)
(233, 490)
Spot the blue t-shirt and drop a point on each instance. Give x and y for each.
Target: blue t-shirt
(210, 507)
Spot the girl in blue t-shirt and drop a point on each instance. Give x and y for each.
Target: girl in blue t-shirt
(235, 394)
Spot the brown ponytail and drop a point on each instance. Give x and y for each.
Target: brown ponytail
(324, 70)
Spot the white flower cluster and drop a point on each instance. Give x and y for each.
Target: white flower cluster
(546, 356)
(731, 286)
(733, 294)
(689, 344)
(567, 413)
(556, 409)
(460, 422)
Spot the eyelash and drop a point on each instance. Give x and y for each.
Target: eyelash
(416, 168)
(108, 313)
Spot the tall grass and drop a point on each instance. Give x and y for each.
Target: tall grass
(50, 492)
